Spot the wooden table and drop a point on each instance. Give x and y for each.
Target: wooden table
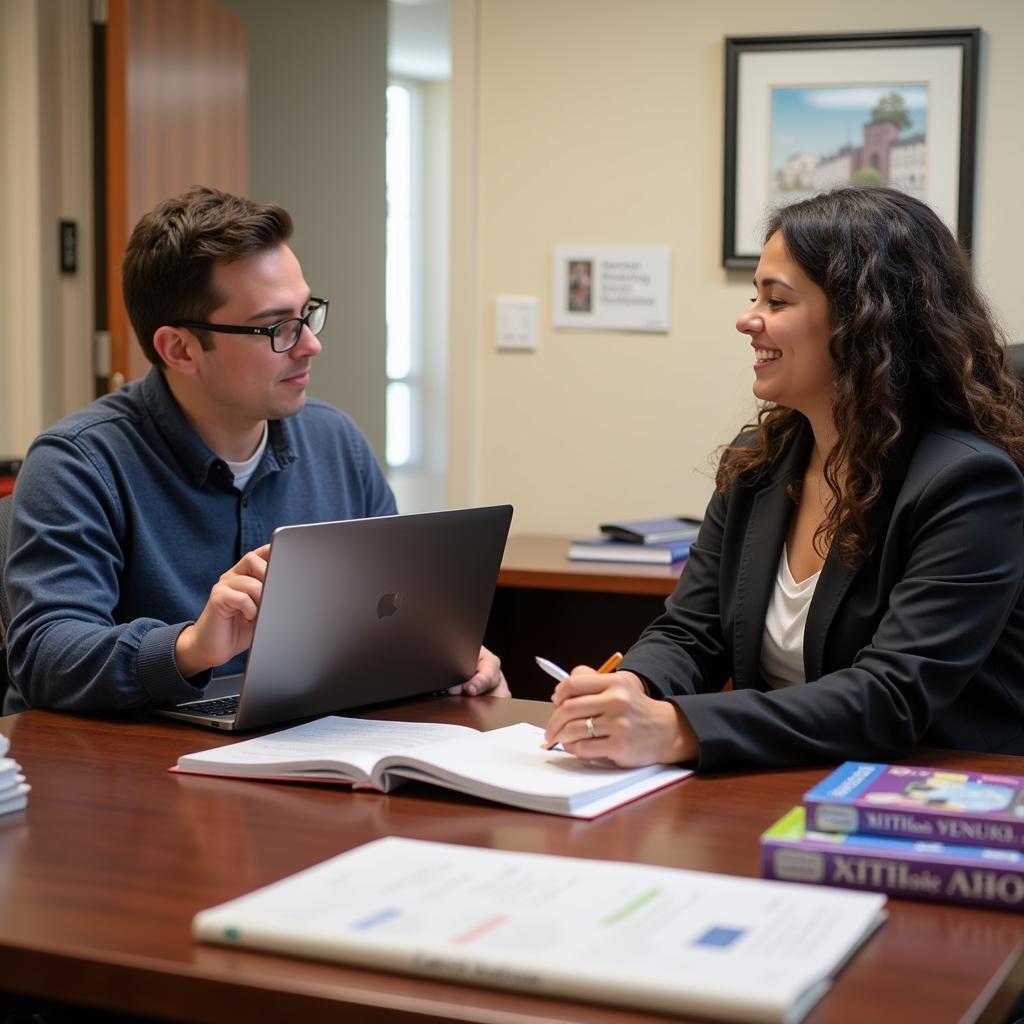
(101, 875)
(570, 612)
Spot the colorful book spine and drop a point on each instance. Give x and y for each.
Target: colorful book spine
(899, 867)
(929, 804)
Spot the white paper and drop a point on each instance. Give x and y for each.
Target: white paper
(634, 934)
(509, 765)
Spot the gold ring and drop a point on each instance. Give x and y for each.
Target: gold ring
(591, 731)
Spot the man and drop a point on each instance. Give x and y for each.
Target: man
(127, 511)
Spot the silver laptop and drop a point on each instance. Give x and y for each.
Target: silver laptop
(362, 611)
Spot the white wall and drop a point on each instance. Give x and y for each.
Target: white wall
(317, 81)
(601, 122)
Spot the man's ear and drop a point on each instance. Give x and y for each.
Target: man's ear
(177, 348)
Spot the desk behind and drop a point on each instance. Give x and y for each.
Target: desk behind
(570, 612)
(101, 875)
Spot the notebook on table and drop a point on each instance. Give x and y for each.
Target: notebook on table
(362, 611)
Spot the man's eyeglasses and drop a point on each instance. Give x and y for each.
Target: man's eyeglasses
(283, 335)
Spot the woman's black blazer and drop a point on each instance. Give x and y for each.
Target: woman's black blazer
(922, 645)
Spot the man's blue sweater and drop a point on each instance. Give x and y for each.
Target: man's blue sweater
(123, 521)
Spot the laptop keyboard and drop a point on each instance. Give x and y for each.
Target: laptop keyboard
(221, 707)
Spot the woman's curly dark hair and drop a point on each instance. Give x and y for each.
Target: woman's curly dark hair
(911, 335)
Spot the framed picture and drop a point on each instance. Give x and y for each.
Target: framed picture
(807, 113)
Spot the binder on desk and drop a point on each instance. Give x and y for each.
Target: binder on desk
(653, 531)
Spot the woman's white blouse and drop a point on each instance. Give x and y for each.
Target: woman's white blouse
(782, 646)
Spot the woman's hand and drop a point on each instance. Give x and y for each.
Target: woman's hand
(611, 716)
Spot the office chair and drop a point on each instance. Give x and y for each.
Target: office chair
(6, 508)
(1015, 354)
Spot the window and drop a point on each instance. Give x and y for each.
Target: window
(418, 210)
(403, 274)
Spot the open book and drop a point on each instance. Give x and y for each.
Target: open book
(506, 765)
(685, 942)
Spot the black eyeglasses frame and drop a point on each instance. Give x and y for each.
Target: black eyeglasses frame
(269, 332)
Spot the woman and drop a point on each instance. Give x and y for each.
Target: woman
(859, 572)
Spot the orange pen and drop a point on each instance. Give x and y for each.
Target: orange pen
(611, 664)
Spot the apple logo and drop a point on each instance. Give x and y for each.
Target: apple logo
(388, 605)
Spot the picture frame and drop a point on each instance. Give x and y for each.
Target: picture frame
(804, 113)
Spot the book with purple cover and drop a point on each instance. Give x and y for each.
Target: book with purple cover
(935, 804)
(946, 872)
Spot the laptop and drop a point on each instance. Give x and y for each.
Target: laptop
(362, 611)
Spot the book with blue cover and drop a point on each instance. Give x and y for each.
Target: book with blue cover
(653, 531)
(941, 804)
(948, 872)
(611, 549)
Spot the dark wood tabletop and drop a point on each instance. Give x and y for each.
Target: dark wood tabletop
(101, 875)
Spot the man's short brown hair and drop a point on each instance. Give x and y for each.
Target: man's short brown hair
(167, 273)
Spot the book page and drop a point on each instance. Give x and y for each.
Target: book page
(508, 765)
(348, 747)
(660, 938)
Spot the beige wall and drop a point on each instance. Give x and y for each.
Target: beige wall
(601, 122)
(46, 318)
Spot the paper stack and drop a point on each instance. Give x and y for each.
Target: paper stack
(13, 788)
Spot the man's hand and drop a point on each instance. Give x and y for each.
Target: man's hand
(489, 678)
(225, 626)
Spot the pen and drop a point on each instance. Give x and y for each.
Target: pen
(555, 671)
(559, 673)
(611, 664)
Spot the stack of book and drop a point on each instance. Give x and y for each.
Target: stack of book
(652, 541)
(13, 788)
(922, 833)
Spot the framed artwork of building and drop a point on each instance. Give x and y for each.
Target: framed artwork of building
(807, 113)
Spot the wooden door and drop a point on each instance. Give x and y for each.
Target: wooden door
(177, 114)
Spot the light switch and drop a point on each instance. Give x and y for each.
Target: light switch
(516, 323)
